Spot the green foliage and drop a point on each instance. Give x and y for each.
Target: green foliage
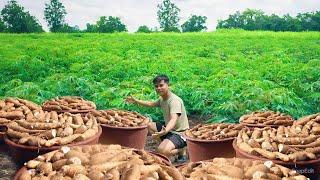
(223, 74)
(2, 25)
(91, 28)
(252, 19)
(194, 24)
(168, 16)
(144, 29)
(16, 20)
(308, 21)
(69, 29)
(107, 25)
(32, 25)
(54, 14)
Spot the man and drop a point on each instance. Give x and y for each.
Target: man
(175, 117)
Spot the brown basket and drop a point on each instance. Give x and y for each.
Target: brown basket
(309, 168)
(164, 158)
(3, 130)
(2, 138)
(3, 146)
(207, 149)
(133, 137)
(23, 153)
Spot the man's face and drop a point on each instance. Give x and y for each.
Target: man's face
(161, 88)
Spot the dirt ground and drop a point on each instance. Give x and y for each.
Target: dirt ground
(8, 168)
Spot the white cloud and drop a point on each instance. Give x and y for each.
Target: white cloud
(144, 12)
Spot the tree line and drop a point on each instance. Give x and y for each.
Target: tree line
(252, 19)
(15, 19)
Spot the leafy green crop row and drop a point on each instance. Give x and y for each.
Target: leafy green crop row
(225, 73)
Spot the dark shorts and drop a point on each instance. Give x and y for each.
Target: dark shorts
(173, 137)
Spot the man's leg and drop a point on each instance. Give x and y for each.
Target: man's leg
(174, 145)
(165, 147)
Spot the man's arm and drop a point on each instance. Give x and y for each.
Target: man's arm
(131, 99)
(172, 122)
(146, 103)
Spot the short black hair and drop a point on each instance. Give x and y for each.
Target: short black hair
(160, 78)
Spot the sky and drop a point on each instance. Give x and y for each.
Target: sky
(134, 13)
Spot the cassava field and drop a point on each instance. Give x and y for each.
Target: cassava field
(222, 74)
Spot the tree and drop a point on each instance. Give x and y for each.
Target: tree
(69, 29)
(54, 14)
(194, 24)
(273, 23)
(234, 21)
(107, 25)
(315, 21)
(13, 16)
(168, 16)
(91, 28)
(2, 26)
(144, 29)
(16, 20)
(309, 21)
(252, 19)
(102, 24)
(32, 24)
(290, 23)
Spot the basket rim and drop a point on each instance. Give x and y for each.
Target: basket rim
(11, 143)
(250, 156)
(206, 141)
(124, 128)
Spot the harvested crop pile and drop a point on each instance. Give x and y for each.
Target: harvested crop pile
(214, 131)
(53, 129)
(68, 103)
(292, 143)
(237, 169)
(267, 118)
(309, 124)
(99, 162)
(120, 118)
(15, 108)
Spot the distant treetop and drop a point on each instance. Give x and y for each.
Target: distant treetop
(252, 19)
(16, 20)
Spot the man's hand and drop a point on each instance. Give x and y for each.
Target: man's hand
(131, 99)
(160, 133)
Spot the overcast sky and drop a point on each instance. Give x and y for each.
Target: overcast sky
(144, 12)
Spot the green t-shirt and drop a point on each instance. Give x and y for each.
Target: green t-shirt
(174, 104)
